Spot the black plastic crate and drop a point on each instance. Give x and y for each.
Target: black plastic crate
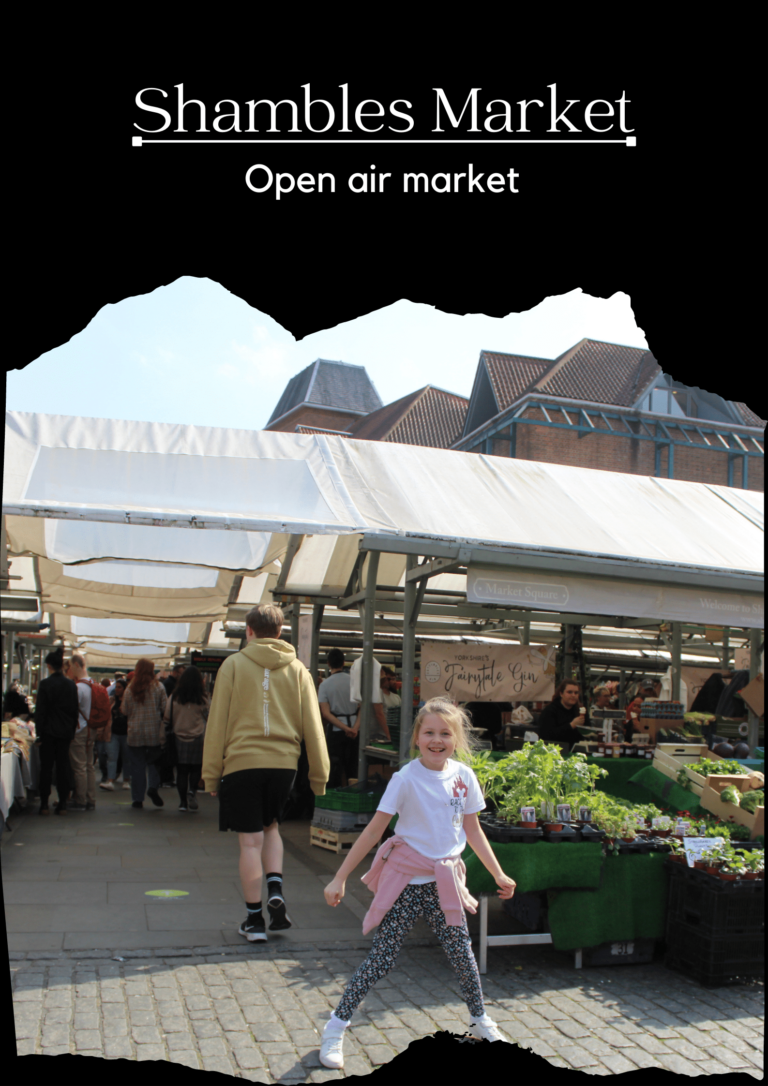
(714, 960)
(529, 909)
(713, 905)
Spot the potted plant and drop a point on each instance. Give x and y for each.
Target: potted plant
(713, 859)
(754, 863)
(627, 831)
(612, 827)
(677, 851)
(664, 826)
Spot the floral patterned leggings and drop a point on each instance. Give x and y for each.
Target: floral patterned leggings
(455, 941)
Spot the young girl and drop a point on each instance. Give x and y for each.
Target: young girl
(420, 870)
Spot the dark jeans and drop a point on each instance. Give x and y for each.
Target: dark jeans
(187, 779)
(140, 771)
(55, 751)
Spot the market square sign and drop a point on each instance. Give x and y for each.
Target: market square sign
(610, 596)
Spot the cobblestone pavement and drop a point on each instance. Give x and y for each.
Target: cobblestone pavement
(257, 1013)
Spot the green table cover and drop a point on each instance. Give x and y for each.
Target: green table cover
(631, 903)
(592, 899)
(539, 866)
(665, 792)
(620, 774)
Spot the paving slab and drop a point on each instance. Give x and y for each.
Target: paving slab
(26, 893)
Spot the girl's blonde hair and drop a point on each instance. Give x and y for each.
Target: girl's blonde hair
(457, 720)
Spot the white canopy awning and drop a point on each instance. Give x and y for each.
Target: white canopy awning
(138, 494)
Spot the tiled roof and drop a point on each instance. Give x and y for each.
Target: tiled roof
(512, 374)
(599, 372)
(430, 417)
(329, 384)
(749, 416)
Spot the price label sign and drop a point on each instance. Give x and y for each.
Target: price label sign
(564, 812)
(695, 846)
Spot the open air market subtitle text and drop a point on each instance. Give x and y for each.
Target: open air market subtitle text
(321, 115)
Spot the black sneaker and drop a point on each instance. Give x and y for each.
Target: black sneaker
(191, 801)
(253, 929)
(137, 805)
(156, 798)
(90, 806)
(278, 918)
(77, 807)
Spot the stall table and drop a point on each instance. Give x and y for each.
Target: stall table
(11, 781)
(593, 899)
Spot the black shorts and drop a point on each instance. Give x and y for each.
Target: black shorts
(251, 799)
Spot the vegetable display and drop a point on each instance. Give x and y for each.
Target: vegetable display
(705, 767)
(750, 801)
(731, 794)
(539, 776)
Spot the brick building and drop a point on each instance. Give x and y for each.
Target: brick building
(597, 405)
(611, 407)
(326, 396)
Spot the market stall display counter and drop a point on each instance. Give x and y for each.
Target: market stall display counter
(12, 785)
(592, 899)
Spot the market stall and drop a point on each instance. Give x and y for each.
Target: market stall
(592, 899)
(600, 859)
(12, 785)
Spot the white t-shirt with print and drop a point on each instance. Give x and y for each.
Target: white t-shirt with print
(431, 808)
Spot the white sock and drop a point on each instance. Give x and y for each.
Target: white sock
(337, 1025)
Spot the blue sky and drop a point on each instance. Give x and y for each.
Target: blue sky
(192, 352)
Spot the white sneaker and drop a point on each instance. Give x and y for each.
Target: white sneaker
(331, 1048)
(485, 1029)
(108, 786)
(126, 786)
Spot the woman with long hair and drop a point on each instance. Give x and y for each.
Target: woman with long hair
(119, 737)
(559, 722)
(186, 715)
(144, 703)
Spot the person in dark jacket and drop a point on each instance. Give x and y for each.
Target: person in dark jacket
(14, 703)
(56, 713)
(558, 723)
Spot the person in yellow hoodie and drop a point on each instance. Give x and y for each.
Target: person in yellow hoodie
(264, 704)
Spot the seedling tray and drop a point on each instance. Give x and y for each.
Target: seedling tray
(348, 801)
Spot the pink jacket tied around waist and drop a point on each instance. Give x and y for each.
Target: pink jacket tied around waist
(396, 863)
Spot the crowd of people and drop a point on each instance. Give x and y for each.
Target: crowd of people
(153, 735)
(243, 745)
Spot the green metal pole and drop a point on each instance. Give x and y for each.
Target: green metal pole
(753, 729)
(366, 684)
(677, 645)
(409, 658)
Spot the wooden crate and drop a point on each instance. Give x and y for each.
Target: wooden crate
(742, 783)
(711, 801)
(330, 839)
(670, 766)
(683, 752)
(652, 726)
